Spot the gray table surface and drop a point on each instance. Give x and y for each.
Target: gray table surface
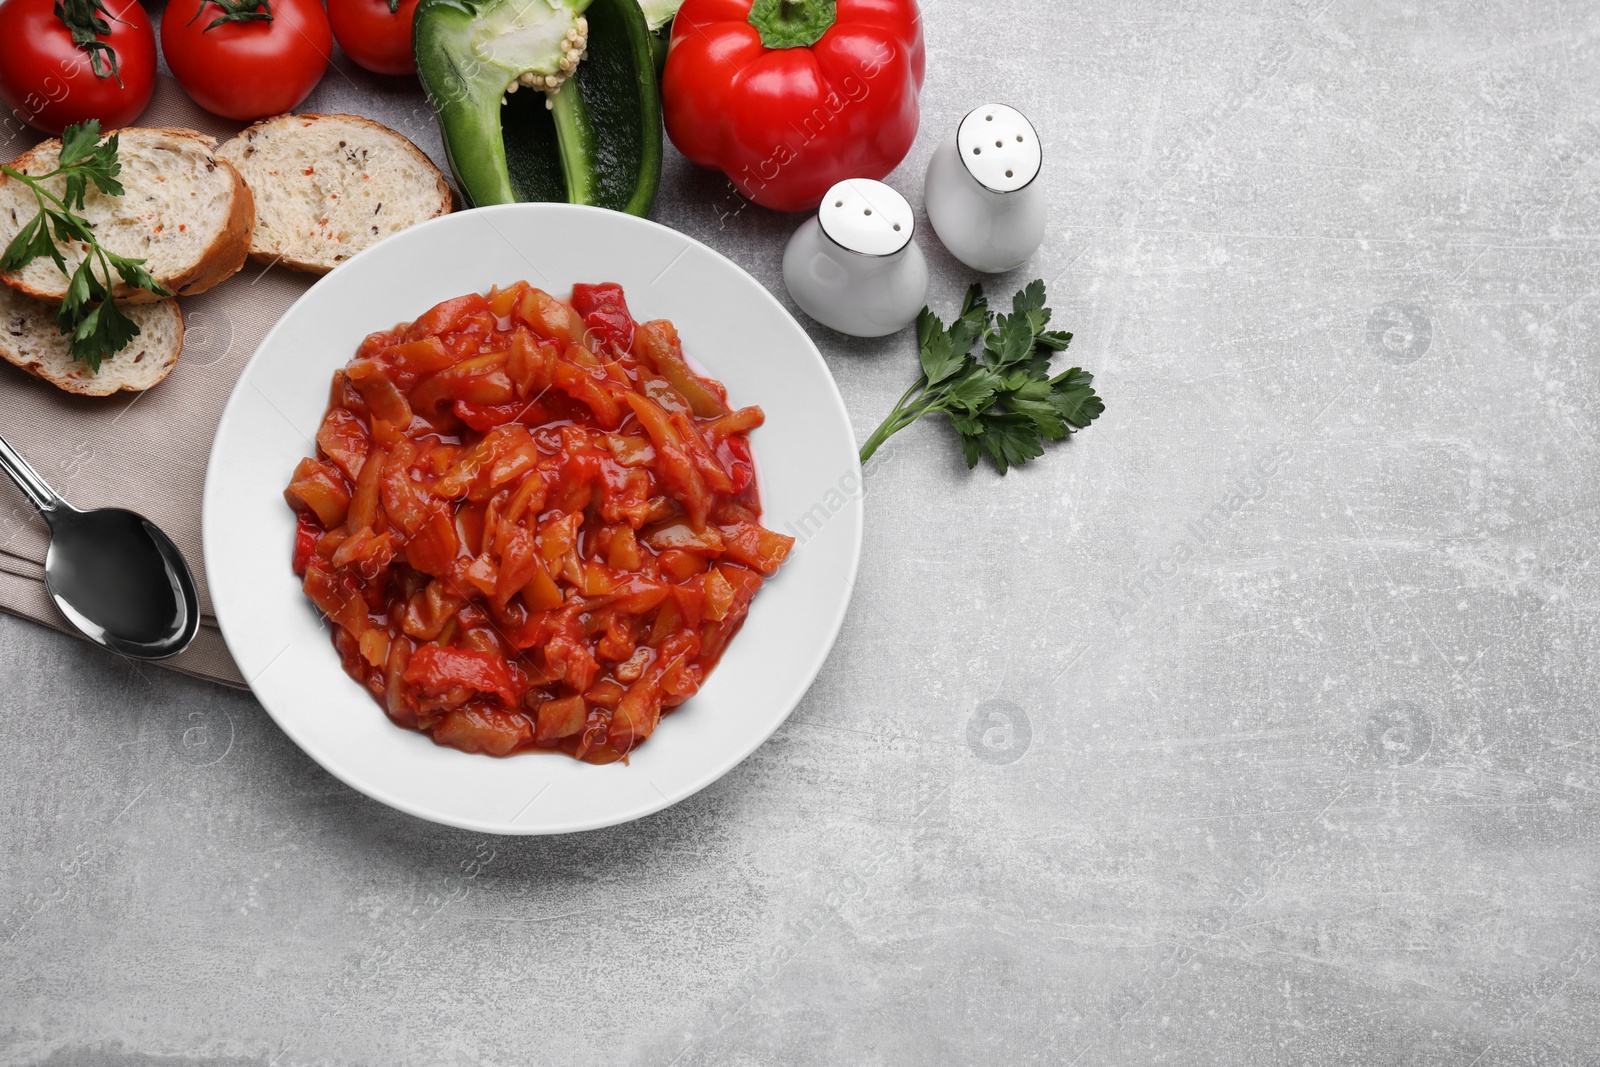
(1253, 726)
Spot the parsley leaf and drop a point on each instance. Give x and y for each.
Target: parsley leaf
(1032, 400)
(88, 317)
(1075, 398)
(1002, 402)
(1010, 344)
(972, 393)
(973, 322)
(79, 141)
(1010, 441)
(26, 245)
(937, 351)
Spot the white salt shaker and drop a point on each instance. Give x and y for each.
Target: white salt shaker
(854, 266)
(982, 198)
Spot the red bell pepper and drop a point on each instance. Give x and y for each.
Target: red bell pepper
(306, 534)
(788, 97)
(605, 311)
(437, 670)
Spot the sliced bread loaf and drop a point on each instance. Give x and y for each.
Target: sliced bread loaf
(29, 338)
(328, 186)
(187, 214)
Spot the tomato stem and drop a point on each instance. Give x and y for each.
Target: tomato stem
(83, 21)
(236, 11)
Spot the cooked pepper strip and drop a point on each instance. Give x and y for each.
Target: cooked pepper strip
(658, 343)
(437, 670)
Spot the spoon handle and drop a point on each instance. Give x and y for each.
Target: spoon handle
(33, 487)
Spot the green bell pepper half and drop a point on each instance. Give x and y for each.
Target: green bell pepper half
(600, 143)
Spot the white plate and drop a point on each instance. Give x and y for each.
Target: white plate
(805, 457)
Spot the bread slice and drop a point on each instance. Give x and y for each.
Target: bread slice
(187, 214)
(328, 186)
(29, 338)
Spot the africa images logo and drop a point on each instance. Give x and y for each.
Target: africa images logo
(1399, 333)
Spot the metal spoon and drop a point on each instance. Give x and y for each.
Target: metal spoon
(112, 573)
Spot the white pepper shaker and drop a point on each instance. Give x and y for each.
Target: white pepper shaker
(982, 196)
(855, 266)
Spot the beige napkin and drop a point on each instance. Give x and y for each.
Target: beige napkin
(144, 451)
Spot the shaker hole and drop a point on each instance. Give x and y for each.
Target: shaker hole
(988, 118)
(1008, 174)
(838, 203)
(897, 227)
(867, 212)
(1019, 136)
(977, 151)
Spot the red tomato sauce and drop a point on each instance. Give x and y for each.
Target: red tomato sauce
(531, 524)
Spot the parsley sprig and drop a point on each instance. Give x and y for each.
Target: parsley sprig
(88, 316)
(1003, 401)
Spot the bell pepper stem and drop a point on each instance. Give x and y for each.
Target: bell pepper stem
(792, 23)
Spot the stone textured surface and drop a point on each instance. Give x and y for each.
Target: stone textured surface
(1254, 726)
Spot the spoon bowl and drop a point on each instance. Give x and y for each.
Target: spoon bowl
(121, 582)
(112, 573)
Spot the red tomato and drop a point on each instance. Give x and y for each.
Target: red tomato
(376, 35)
(50, 83)
(245, 66)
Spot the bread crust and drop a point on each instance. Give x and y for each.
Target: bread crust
(227, 254)
(100, 384)
(288, 257)
(222, 259)
(25, 163)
